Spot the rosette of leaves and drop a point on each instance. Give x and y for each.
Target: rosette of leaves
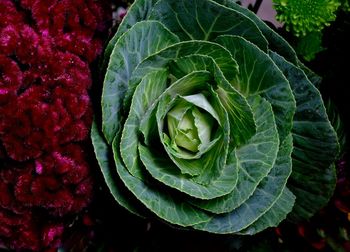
(209, 121)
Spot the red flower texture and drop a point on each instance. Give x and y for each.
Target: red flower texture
(12, 15)
(10, 79)
(25, 129)
(60, 182)
(8, 39)
(20, 226)
(72, 24)
(45, 117)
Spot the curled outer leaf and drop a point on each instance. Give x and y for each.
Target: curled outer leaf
(209, 120)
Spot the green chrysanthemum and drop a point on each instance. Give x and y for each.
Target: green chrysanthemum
(304, 16)
(345, 5)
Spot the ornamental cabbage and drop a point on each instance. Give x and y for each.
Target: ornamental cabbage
(209, 120)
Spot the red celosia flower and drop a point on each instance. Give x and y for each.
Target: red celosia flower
(21, 226)
(72, 24)
(59, 182)
(9, 14)
(26, 50)
(45, 116)
(9, 36)
(25, 129)
(10, 79)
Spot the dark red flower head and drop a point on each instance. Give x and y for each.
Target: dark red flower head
(45, 116)
(11, 78)
(72, 24)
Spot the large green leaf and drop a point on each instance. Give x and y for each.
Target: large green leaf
(255, 159)
(163, 203)
(146, 94)
(239, 112)
(285, 201)
(315, 145)
(259, 74)
(263, 199)
(283, 104)
(275, 215)
(276, 42)
(142, 40)
(205, 20)
(166, 172)
(104, 157)
(138, 11)
(257, 71)
(161, 60)
(181, 66)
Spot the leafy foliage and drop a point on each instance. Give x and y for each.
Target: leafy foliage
(309, 45)
(209, 120)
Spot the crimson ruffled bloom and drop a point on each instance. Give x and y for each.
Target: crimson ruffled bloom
(10, 79)
(72, 24)
(40, 120)
(9, 14)
(45, 116)
(60, 182)
(23, 226)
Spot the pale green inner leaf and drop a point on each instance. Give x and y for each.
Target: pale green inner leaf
(188, 85)
(197, 131)
(187, 133)
(241, 116)
(219, 174)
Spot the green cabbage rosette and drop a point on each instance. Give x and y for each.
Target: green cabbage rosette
(209, 121)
